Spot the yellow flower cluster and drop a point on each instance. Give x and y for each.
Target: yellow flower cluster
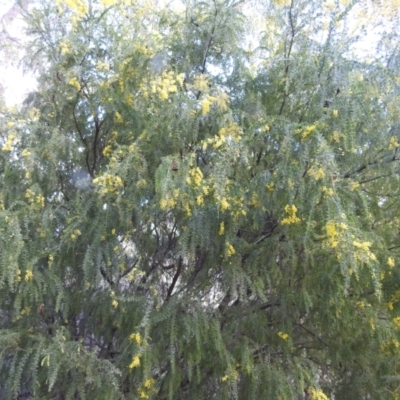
(224, 204)
(308, 131)
(282, 3)
(390, 347)
(232, 131)
(142, 183)
(74, 82)
(107, 151)
(102, 66)
(109, 183)
(396, 321)
(34, 114)
(170, 200)
(316, 173)
(232, 376)
(327, 191)
(354, 186)
(221, 229)
(136, 337)
(390, 262)
(229, 249)
(9, 143)
(78, 6)
(395, 299)
(291, 217)
(33, 198)
(200, 200)
(363, 251)
(195, 177)
(25, 153)
(200, 83)
(393, 143)
(118, 118)
(75, 234)
(335, 137)
(221, 100)
(135, 362)
(205, 104)
(163, 85)
(147, 388)
(28, 275)
(65, 47)
(283, 336)
(316, 394)
(270, 186)
(18, 276)
(334, 231)
(135, 274)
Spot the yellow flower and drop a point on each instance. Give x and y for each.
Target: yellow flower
(390, 262)
(354, 186)
(200, 200)
(28, 275)
(328, 191)
(107, 151)
(221, 229)
(230, 250)
(336, 136)
(318, 174)
(135, 362)
(317, 394)
(136, 337)
(291, 218)
(108, 2)
(283, 336)
(222, 101)
(335, 113)
(200, 83)
(74, 82)
(148, 383)
(224, 204)
(163, 204)
(393, 143)
(114, 303)
(307, 132)
(118, 118)
(79, 6)
(205, 106)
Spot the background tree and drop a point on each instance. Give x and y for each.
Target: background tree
(201, 201)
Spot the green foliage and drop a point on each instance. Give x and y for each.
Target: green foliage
(201, 201)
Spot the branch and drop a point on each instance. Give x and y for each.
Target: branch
(313, 334)
(175, 279)
(259, 240)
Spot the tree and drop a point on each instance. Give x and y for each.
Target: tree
(201, 201)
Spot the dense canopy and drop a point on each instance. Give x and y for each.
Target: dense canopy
(201, 201)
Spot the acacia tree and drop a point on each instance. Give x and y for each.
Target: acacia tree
(201, 201)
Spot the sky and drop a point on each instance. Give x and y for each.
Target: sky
(14, 82)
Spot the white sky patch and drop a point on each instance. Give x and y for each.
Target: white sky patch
(14, 83)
